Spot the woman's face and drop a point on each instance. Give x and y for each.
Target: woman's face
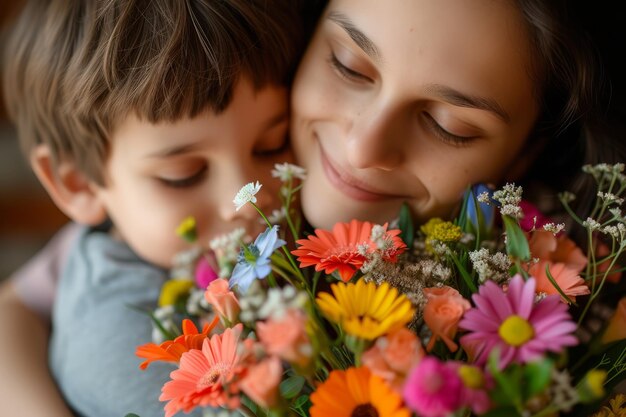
(410, 101)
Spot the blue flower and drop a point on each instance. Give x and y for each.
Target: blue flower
(254, 260)
(484, 222)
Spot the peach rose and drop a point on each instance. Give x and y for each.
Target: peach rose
(286, 337)
(443, 310)
(432, 292)
(262, 380)
(223, 300)
(393, 356)
(616, 330)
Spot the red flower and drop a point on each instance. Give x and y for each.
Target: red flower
(171, 350)
(346, 248)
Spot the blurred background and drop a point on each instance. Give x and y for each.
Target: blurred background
(28, 218)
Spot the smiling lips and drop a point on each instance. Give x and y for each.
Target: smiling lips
(349, 185)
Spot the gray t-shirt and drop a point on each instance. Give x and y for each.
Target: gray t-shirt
(95, 331)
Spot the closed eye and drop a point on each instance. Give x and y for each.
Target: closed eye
(346, 72)
(188, 181)
(443, 134)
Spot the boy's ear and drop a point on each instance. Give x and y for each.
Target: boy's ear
(71, 190)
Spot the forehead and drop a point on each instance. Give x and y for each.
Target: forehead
(480, 47)
(250, 113)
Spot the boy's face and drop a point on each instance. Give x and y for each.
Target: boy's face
(158, 174)
(410, 101)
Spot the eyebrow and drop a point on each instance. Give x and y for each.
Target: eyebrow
(355, 34)
(460, 99)
(174, 150)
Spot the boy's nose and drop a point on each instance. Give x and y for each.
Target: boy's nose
(375, 140)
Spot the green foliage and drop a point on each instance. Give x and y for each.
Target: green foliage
(517, 384)
(516, 242)
(292, 386)
(406, 225)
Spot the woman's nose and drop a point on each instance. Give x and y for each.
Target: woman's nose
(375, 139)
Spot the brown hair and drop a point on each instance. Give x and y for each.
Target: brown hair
(74, 68)
(582, 107)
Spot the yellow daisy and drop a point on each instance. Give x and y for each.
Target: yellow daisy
(356, 392)
(366, 310)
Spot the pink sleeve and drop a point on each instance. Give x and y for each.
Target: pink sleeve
(36, 281)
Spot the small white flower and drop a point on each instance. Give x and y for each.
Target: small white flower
(554, 228)
(246, 195)
(484, 198)
(287, 171)
(591, 224)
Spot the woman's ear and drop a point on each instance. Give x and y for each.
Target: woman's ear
(71, 190)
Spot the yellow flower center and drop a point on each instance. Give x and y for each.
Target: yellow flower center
(595, 381)
(187, 229)
(173, 290)
(471, 376)
(364, 410)
(516, 331)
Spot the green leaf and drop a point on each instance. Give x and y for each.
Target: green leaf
(292, 386)
(302, 405)
(508, 389)
(131, 415)
(250, 404)
(467, 278)
(537, 376)
(516, 242)
(300, 401)
(406, 225)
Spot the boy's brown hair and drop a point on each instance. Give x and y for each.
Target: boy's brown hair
(74, 68)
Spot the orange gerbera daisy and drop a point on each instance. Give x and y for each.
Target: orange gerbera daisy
(206, 377)
(345, 249)
(566, 277)
(356, 392)
(171, 350)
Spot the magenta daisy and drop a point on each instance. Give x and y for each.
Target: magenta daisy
(511, 322)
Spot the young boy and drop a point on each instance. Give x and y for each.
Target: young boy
(136, 114)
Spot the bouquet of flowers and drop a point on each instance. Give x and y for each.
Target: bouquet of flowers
(497, 313)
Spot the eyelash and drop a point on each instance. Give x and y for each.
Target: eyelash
(345, 72)
(186, 182)
(444, 135)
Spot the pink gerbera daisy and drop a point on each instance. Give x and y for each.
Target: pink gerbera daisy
(512, 322)
(345, 249)
(206, 377)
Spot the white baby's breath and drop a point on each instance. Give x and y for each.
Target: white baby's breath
(554, 228)
(287, 171)
(484, 198)
(246, 195)
(509, 198)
